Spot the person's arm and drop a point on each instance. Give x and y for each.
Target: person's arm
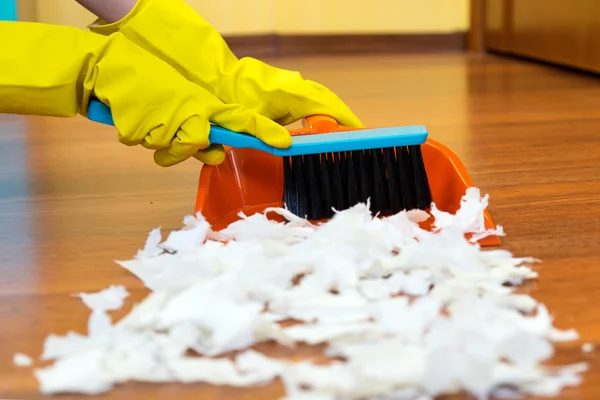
(170, 28)
(108, 10)
(57, 70)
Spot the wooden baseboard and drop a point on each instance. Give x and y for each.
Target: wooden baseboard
(295, 45)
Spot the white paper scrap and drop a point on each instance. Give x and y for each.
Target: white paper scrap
(402, 313)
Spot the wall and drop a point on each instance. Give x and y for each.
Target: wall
(300, 16)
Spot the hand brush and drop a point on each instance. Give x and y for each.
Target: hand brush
(331, 167)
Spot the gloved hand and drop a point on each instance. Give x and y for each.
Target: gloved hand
(54, 70)
(173, 31)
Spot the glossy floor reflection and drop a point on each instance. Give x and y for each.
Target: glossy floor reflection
(72, 199)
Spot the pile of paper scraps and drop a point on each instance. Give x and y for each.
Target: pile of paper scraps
(404, 313)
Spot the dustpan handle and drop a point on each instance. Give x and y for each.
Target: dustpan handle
(320, 123)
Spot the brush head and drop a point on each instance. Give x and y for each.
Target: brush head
(354, 140)
(326, 137)
(331, 167)
(391, 179)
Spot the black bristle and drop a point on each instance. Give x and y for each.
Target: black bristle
(405, 171)
(378, 195)
(423, 191)
(385, 200)
(345, 176)
(365, 176)
(343, 167)
(299, 187)
(356, 161)
(326, 186)
(290, 198)
(393, 179)
(396, 202)
(336, 179)
(313, 189)
(352, 188)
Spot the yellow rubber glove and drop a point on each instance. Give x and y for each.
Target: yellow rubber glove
(54, 70)
(173, 31)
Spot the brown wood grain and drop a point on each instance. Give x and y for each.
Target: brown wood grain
(554, 31)
(591, 48)
(497, 21)
(348, 44)
(72, 199)
(551, 30)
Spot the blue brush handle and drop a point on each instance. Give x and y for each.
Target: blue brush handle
(100, 112)
(301, 145)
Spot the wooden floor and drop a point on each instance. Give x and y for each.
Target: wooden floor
(72, 199)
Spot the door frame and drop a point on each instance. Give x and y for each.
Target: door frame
(476, 35)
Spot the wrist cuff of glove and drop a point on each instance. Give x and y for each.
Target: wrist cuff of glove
(101, 27)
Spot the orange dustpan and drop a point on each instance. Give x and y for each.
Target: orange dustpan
(251, 180)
